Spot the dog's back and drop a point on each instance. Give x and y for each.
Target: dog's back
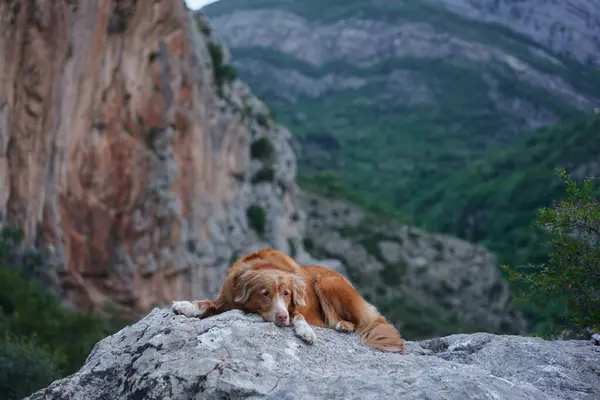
(266, 258)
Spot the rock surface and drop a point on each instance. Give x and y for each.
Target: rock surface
(236, 356)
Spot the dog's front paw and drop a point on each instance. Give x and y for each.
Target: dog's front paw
(186, 308)
(305, 332)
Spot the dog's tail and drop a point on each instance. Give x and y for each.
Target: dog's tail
(376, 332)
(340, 300)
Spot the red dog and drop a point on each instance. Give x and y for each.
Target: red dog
(273, 285)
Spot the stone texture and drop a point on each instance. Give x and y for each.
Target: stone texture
(237, 356)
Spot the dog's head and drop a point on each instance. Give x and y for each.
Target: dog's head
(270, 293)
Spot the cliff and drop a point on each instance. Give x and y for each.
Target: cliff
(237, 356)
(140, 166)
(128, 157)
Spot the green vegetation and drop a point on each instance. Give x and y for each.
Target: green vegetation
(262, 120)
(329, 184)
(222, 72)
(494, 201)
(570, 280)
(257, 218)
(204, 27)
(24, 367)
(262, 149)
(420, 321)
(151, 135)
(368, 132)
(41, 341)
(265, 174)
(392, 151)
(117, 23)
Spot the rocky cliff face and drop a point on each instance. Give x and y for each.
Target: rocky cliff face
(237, 356)
(571, 27)
(129, 156)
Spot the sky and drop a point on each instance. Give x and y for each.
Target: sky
(196, 4)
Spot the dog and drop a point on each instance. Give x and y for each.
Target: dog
(271, 284)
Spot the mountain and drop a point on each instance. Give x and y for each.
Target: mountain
(494, 199)
(401, 102)
(139, 167)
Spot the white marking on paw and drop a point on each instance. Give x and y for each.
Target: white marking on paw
(304, 331)
(337, 326)
(186, 308)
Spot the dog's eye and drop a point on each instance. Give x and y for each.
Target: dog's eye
(266, 294)
(286, 293)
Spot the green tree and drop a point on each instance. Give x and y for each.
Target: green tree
(570, 279)
(25, 367)
(40, 340)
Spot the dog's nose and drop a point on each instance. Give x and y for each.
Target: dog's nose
(281, 318)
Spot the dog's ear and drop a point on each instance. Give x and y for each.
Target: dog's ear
(299, 291)
(245, 286)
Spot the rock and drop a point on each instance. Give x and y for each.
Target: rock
(239, 356)
(536, 19)
(596, 339)
(429, 285)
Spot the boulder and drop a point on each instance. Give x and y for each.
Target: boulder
(238, 356)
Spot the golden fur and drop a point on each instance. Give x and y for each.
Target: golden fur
(273, 285)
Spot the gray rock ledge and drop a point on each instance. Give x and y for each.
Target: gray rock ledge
(235, 356)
